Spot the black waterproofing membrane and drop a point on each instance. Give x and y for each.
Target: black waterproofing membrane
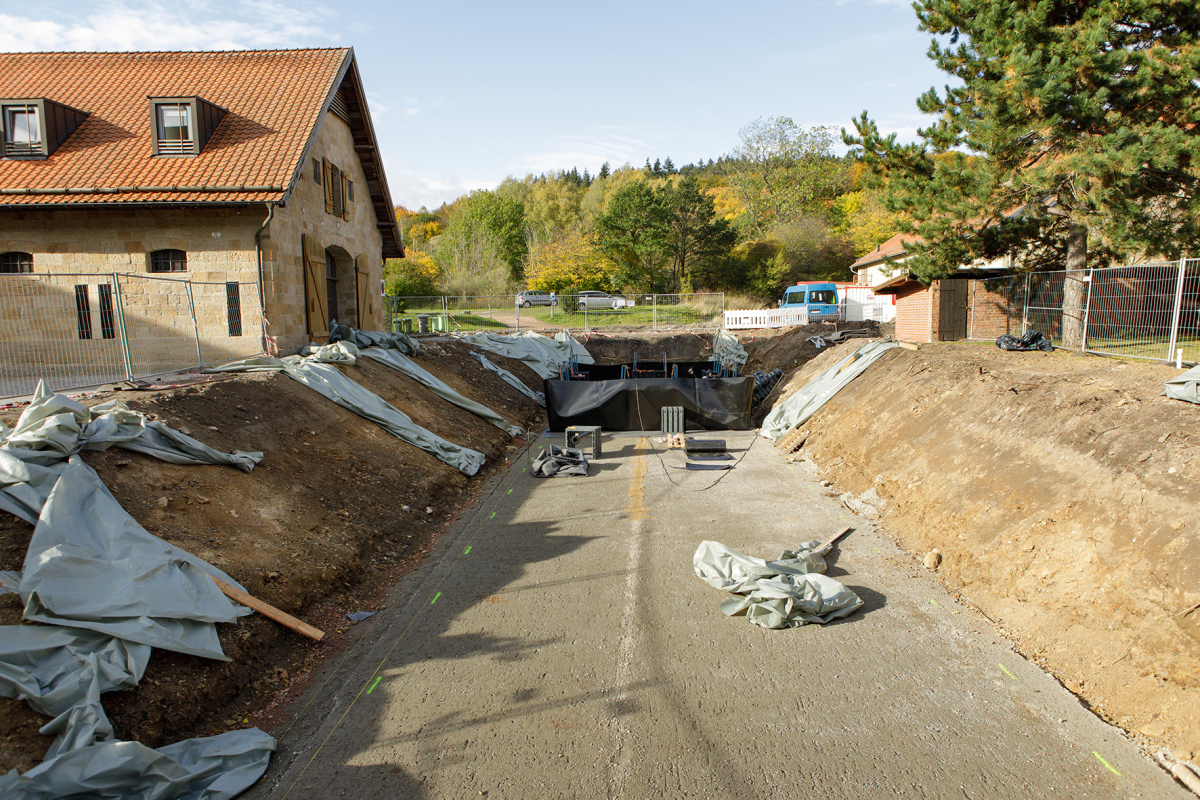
(634, 404)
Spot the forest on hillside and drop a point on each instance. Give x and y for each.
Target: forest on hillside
(781, 207)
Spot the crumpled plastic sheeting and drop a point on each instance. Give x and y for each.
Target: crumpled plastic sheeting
(61, 672)
(335, 353)
(327, 381)
(726, 346)
(412, 369)
(1185, 386)
(54, 427)
(364, 339)
(541, 353)
(10, 579)
(511, 380)
(214, 768)
(554, 465)
(785, 593)
(798, 408)
(90, 565)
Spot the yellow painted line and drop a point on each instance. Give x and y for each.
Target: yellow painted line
(637, 509)
(1110, 767)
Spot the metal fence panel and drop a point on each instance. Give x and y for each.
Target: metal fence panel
(79, 330)
(574, 312)
(1149, 311)
(62, 328)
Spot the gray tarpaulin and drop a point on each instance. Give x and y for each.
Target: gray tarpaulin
(53, 427)
(726, 346)
(364, 339)
(803, 404)
(511, 380)
(90, 565)
(541, 353)
(215, 768)
(10, 579)
(329, 382)
(412, 369)
(1185, 386)
(61, 672)
(784, 593)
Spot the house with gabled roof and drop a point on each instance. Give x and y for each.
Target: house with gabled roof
(255, 172)
(952, 308)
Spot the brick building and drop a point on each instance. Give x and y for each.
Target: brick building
(253, 172)
(949, 309)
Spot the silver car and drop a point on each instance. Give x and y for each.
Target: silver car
(594, 299)
(533, 297)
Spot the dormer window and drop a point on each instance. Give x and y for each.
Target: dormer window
(35, 127)
(22, 133)
(183, 125)
(174, 129)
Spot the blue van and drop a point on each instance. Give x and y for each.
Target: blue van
(821, 299)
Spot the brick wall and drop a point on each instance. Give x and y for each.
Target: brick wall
(914, 307)
(991, 315)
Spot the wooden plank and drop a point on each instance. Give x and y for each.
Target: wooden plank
(829, 542)
(282, 617)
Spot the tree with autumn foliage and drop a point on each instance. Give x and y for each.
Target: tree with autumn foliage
(1072, 130)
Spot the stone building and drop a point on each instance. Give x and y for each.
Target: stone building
(151, 192)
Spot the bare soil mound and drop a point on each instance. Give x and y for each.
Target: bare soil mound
(1061, 492)
(317, 529)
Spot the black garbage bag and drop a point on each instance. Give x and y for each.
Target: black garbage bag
(1034, 340)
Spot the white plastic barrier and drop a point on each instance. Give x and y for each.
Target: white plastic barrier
(765, 318)
(860, 303)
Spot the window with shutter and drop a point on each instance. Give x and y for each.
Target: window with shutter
(335, 179)
(325, 167)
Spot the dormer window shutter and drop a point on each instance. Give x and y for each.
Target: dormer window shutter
(326, 168)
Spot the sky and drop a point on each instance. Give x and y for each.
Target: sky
(464, 93)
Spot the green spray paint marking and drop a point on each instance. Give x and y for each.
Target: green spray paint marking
(373, 685)
(1111, 768)
(510, 491)
(468, 549)
(493, 516)
(935, 605)
(1014, 677)
(439, 594)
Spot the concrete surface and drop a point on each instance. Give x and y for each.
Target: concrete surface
(558, 644)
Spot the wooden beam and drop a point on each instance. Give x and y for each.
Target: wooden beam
(829, 542)
(282, 617)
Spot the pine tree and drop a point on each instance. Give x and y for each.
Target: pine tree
(605, 170)
(1074, 121)
(668, 167)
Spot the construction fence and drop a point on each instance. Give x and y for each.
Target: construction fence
(577, 313)
(1149, 311)
(78, 330)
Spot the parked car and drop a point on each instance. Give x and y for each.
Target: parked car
(593, 299)
(532, 297)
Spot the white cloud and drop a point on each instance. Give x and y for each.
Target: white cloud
(148, 25)
(413, 189)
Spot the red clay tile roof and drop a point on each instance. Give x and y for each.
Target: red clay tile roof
(893, 247)
(274, 99)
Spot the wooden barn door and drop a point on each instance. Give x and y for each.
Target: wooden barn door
(316, 297)
(952, 310)
(362, 287)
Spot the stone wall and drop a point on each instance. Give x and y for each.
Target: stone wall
(346, 239)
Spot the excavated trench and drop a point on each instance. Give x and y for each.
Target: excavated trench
(1058, 490)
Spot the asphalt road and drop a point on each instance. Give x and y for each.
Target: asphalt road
(558, 644)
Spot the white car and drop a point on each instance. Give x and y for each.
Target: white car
(594, 299)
